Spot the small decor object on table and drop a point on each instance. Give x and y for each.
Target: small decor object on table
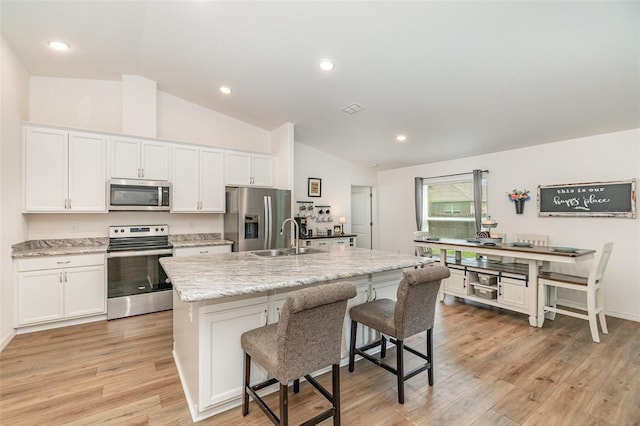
(519, 197)
(314, 187)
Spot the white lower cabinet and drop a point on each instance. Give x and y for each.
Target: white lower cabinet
(493, 287)
(59, 288)
(513, 292)
(201, 250)
(456, 284)
(222, 359)
(207, 345)
(329, 242)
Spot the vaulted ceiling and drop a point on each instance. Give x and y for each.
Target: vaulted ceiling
(457, 78)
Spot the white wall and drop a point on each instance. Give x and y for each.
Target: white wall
(14, 94)
(607, 157)
(282, 147)
(337, 177)
(73, 102)
(180, 120)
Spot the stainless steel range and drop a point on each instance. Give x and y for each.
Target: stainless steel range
(136, 282)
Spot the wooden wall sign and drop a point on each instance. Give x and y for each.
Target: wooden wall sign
(606, 199)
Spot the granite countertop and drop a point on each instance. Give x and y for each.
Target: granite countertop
(222, 275)
(59, 247)
(315, 237)
(71, 246)
(197, 240)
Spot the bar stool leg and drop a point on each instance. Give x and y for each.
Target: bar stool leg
(352, 345)
(430, 355)
(296, 386)
(335, 381)
(400, 369)
(247, 381)
(284, 405)
(383, 346)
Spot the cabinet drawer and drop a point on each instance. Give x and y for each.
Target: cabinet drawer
(54, 262)
(196, 251)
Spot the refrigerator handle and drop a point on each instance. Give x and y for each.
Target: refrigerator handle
(268, 222)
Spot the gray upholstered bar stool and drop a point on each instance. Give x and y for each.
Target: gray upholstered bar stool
(306, 339)
(412, 313)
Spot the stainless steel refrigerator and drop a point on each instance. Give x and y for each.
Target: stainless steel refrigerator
(254, 216)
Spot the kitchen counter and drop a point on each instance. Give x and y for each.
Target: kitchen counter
(231, 274)
(59, 247)
(197, 240)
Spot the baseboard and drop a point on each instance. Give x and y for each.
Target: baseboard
(609, 313)
(7, 339)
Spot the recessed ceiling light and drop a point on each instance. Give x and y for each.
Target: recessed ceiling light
(59, 45)
(326, 65)
(225, 90)
(401, 138)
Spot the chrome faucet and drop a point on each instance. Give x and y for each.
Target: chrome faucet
(296, 235)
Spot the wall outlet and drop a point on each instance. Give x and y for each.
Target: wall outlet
(74, 227)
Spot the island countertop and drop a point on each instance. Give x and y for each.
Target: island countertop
(215, 276)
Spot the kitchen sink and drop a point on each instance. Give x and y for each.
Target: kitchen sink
(285, 252)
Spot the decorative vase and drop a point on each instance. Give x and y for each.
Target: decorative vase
(519, 205)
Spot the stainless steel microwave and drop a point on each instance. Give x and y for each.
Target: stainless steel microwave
(135, 194)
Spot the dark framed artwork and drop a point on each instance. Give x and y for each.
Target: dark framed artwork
(604, 199)
(314, 188)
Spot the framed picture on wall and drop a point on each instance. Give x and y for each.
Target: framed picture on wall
(314, 187)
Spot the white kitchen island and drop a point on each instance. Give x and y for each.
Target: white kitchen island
(218, 297)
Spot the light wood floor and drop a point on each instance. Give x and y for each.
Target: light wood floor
(491, 368)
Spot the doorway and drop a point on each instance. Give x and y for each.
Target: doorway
(361, 215)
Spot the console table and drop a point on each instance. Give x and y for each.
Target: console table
(516, 284)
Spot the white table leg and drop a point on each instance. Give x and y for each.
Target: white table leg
(538, 302)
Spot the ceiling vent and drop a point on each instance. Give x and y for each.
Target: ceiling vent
(353, 108)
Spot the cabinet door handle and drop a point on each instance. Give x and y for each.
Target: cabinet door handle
(266, 317)
(69, 203)
(375, 295)
(66, 204)
(64, 263)
(141, 172)
(60, 277)
(65, 276)
(278, 313)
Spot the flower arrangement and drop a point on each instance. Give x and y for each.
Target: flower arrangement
(518, 195)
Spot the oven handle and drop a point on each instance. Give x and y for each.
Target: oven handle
(133, 253)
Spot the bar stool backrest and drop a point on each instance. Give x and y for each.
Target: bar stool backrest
(310, 329)
(416, 299)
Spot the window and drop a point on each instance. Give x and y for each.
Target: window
(448, 208)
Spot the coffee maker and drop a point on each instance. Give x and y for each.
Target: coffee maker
(302, 226)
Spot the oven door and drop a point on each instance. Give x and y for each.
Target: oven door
(137, 284)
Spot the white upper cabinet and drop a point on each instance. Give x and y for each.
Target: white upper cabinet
(133, 158)
(64, 171)
(198, 180)
(246, 169)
